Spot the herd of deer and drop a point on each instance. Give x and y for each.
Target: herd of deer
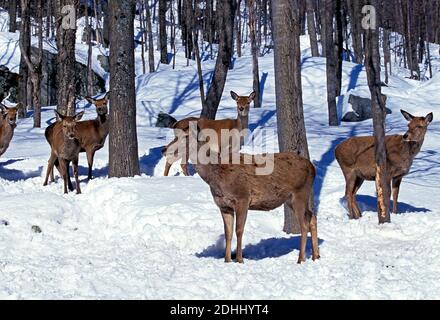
(236, 188)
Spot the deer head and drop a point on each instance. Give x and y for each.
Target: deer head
(10, 114)
(417, 126)
(100, 104)
(69, 124)
(243, 102)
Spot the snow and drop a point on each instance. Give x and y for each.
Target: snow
(154, 237)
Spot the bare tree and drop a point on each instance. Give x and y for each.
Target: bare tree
(163, 40)
(34, 69)
(312, 28)
(372, 65)
(150, 36)
(251, 4)
(225, 16)
(123, 144)
(290, 115)
(66, 37)
(12, 9)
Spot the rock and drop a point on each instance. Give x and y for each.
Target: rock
(4, 223)
(105, 62)
(165, 121)
(362, 109)
(8, 84)
(9, 81)
(36, 229)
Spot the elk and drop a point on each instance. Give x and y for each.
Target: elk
(8, 123)
(181, 129)
(65, 148)
(237, 188)
(357, 159)
(92, 133)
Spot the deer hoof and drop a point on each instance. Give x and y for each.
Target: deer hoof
(240, 261)
(228, 260)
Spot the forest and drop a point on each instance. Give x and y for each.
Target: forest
(336, 98)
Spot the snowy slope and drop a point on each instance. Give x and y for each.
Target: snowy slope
(154, 237)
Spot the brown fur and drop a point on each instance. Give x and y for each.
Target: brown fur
(65, 148)
(357, 159)
(243, 106)
(91, 133)
(236, 189)
(8, 119)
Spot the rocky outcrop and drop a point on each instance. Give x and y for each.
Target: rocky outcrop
(49, 87)
(362, 109)
(165, 120)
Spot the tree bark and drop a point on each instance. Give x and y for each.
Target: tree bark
(255, 49)
(225, 16)
(339, 45)
(287, 57)
(150, 37)
(311, 28)
(332, 88)
(163, 31)
(12, 9)
(123, 144)
(66, 79)
(379, 113)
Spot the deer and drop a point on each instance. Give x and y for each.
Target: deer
(92, 133)
(8, 123)
(237, 187)
(65, 148)
(181, 129)
(356, 157)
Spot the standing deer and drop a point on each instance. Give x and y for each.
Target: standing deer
(92, 133)
(8, 123)
(65, 148)
(237, 188)
(182, 128)
(357, 160)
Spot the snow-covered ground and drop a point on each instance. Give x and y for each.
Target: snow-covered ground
(154, 237)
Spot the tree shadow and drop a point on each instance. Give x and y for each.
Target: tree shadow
(369, 203)
(149, 161)
(354, 76)
(263, 85)
(17, 175)
(267, 115)
(267, 248)
(179, 98)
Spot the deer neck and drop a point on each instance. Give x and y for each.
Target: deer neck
(413, 147)
(242, 122)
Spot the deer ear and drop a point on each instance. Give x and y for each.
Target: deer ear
(234, 95)
(79, 115)
(429, 118)
(252, 96)
(90, 100)
(407, 115)
(19, 105)
(59, 115)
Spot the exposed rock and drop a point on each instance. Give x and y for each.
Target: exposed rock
(165, 120)
(362, 109)
(4, 223)
(36, 229)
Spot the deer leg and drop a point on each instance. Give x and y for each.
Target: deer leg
(90, 157)
(350, 181)
(75, 173)
(63, 168)
(299, 206)
(167, 168)
(396, 188)
(69, 181)
(49, 171)
(228, 221)
(241, 215)
(313, 223)
(357, 185)
(185, 159)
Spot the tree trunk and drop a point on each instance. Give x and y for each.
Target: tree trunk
(287, 56)
(89, 55)
(339, 46)
(12, 9)
(163, 31)
(355, 8)
(254, 48)
(225, 16)
(312, 29)
(238, 29)
(332, 88)
(143, 32)
(386, 53)
(150, 37)
(106, 24)
(66, 79)
(379, 113)
(123, 145)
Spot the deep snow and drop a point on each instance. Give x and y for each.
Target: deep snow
(154, 237)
